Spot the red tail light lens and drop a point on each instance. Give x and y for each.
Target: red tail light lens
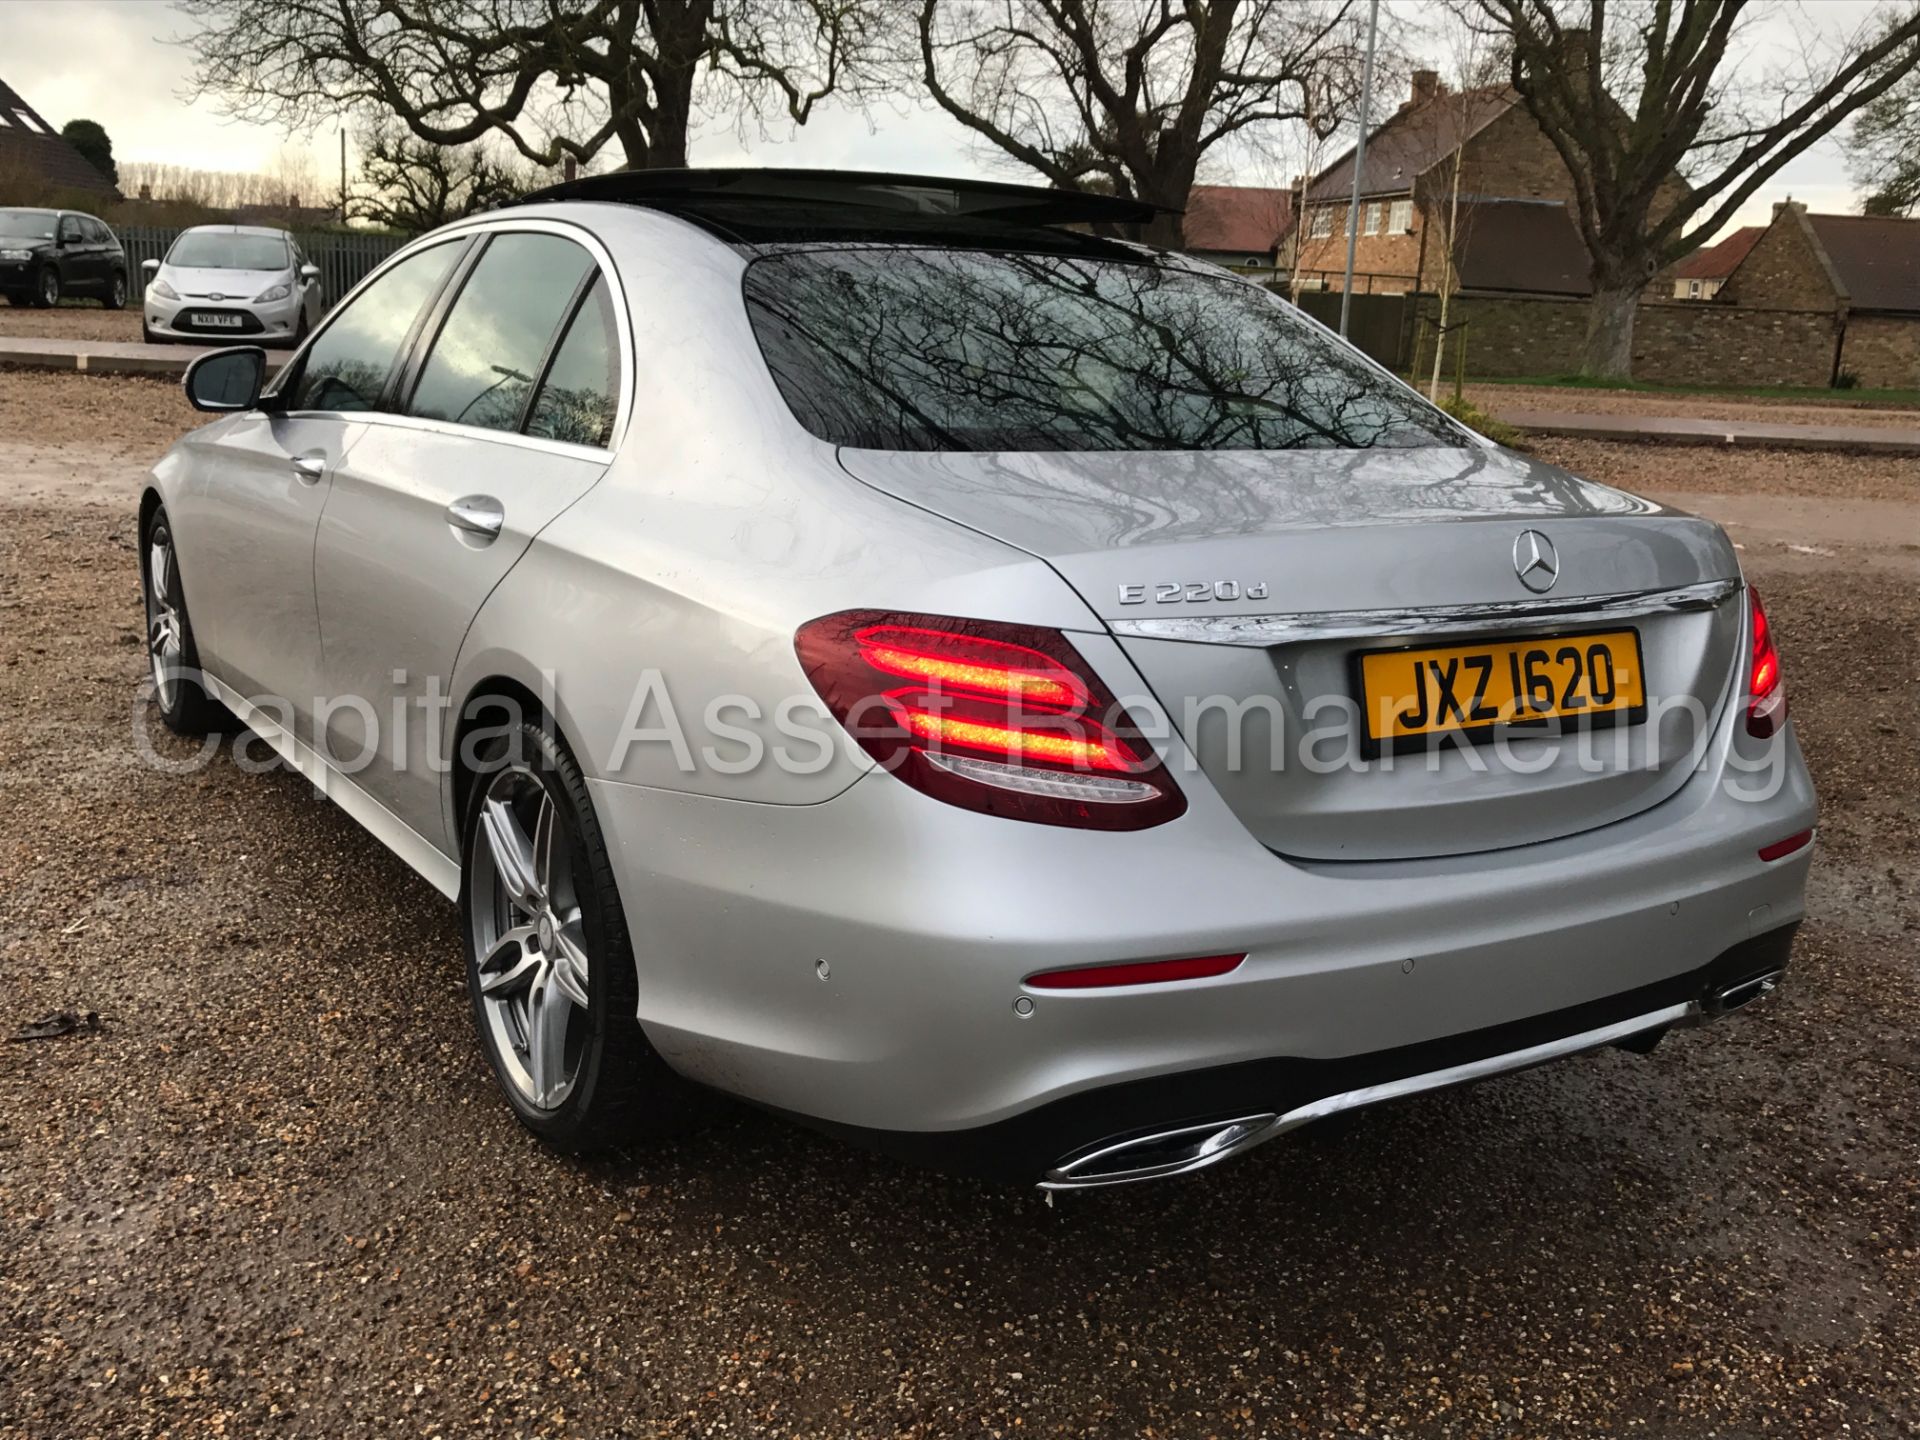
(1766, 687)
(1004, 719)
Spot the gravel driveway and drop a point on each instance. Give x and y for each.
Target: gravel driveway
(274, 1194)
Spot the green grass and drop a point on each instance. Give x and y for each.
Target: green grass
(1802, 393)
(1494, 428)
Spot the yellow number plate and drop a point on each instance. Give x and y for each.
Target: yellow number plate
(1595, 678)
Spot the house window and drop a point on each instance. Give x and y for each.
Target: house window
(1375, 213)
(1400, 221)
(1322, 222)
(26, 121)
(1693, 289)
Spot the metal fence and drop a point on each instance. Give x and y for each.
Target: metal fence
(344, 258)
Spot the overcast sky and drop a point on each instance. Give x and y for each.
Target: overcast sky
(110, 61)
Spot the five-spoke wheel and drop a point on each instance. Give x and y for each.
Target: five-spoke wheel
(549, 963)
(533, 965)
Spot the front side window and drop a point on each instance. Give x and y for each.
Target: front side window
(488, 354)
(348, 364)
(902, 349)
(223, 250)
(580, 394)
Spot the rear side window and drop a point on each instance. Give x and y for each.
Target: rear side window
(904, 349)
(581, 390)
(348, 364)
(488, 355)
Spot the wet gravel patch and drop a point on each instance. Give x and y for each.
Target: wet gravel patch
(76, 320)
(276, 1194)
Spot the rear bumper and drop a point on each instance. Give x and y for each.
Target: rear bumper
(1080, 1141)
(861, 962)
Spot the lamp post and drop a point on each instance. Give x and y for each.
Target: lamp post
(1359, 162)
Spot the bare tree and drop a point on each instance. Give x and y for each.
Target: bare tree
(1886, 149)
(1131, 96)
(551, 80)
(1634, 92)
(410, 185)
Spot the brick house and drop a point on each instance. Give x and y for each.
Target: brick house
(1701, 274)
(1238, 226)
(35, 156)
(1862, 270)
(1516, 195)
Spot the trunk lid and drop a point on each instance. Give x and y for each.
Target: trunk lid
(1242, 584)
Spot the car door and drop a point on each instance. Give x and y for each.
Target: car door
(75, 260)
(251, 496)
(506, 421)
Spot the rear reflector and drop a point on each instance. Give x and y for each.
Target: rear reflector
(1786, 846)
(1146, 972)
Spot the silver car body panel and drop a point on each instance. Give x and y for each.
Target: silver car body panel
(714, 526)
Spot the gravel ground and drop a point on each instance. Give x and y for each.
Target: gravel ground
(1568, 399)
(77, 320)
(275, 1195)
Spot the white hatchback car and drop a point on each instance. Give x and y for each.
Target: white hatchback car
(231, 280)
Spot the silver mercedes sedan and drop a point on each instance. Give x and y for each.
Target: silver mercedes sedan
(881, 648)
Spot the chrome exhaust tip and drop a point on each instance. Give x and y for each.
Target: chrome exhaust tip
(1162, 1153)
(1743, 992)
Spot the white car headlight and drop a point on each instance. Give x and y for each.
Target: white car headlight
(164, 290)
(278, 292)
(16, 254)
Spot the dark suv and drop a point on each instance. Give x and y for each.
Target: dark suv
(45, 254)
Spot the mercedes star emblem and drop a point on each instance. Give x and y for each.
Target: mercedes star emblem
(1535, 561)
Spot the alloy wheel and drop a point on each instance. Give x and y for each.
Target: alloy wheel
(525, 912)
(49, 287)
(119, 296)
(166, 631)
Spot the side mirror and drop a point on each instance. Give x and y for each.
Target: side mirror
(152, 267)
(226, 380)
(309, 272)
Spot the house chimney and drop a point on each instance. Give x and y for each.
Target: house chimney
(1426, 85)
(146, 192)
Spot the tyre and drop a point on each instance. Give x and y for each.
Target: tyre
(172, 658)
(147, 337)
(46, 288)
(116, 296)
(550, 967)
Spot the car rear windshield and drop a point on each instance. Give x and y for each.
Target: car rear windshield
(211, 250)
(910, 349)
(27, 224)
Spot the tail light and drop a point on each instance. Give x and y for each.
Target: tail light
(1766, 687)
(1003, 719)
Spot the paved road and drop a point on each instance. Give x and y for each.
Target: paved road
(110, 357)
(1751, 434)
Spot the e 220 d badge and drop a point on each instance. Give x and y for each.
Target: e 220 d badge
(1194, 592)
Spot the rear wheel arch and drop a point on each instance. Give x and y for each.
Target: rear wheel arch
(489, 705)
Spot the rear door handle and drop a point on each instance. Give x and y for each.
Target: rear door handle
(480, 515)
(308, 469)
